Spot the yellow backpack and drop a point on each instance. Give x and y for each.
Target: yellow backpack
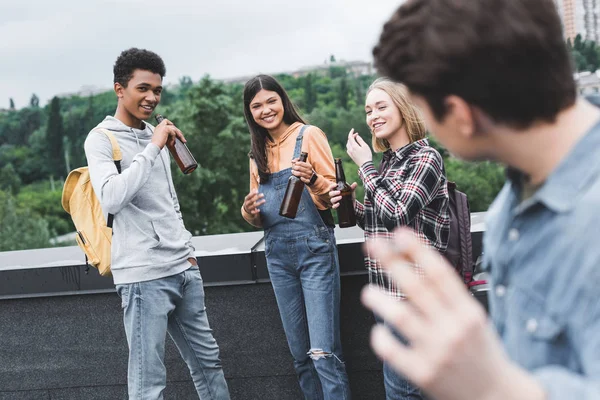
(94, 232)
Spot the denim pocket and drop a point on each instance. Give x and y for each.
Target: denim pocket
(123, 292)
(319, 244)
(269, 245)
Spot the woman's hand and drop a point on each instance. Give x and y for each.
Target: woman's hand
(252, 201)
(358, 150)
(302, 170)
(335, 196)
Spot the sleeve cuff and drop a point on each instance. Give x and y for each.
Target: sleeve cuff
(152, 151)
(368, 174)
(321, 186)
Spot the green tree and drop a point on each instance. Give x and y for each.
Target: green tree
(337, 72)
(19, 229)
(211, 197)
(310, 95)
(34, 101)
(591, 56)
(343, 93)
(578, 43)
(11, 104)
(480, 181)
(9, 179)
(54, 138)
(185, 84)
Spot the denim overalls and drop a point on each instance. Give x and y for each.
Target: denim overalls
(303, 266)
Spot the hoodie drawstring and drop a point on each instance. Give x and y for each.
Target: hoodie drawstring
(136, 139)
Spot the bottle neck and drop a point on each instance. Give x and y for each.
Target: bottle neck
(339, 173)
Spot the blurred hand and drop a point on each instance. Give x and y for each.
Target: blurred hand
(165, 133)
(454, 353)
(252, 201)
(358, 150)
(335, 196)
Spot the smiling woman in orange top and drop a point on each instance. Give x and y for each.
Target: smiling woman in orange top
(301, 252)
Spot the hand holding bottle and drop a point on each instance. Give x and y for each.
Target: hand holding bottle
(335, 195)
(302, 170)
(175, 142)
(165, 133)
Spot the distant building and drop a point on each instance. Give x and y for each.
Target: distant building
(580, 17)
(85, 91)
(353, 68)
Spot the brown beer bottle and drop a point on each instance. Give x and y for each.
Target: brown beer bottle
(345, 211)
(180, 152)
(293, 193)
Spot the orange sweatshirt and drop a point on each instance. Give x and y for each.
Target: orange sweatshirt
(280, 154)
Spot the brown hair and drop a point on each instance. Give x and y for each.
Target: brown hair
(259, 135)
(506, 57)
(412, 117)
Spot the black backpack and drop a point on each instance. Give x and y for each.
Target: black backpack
(459, 251)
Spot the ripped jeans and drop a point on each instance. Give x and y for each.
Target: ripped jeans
(305, 274)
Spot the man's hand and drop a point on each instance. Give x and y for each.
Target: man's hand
(454, 353)
(165, 133)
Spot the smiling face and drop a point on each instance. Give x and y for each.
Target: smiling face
(383, 117)
(267, 110)
(138, 100)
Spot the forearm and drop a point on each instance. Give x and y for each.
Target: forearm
(321, 189)
(359, 210)
(386, 206)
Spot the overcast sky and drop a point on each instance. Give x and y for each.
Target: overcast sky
(59, 46)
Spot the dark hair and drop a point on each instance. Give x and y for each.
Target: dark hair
(506, 57)
(132, 59)
(260, 134)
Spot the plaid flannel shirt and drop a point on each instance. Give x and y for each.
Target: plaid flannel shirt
(410, 189)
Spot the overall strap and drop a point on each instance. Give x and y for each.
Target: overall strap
(298, 147)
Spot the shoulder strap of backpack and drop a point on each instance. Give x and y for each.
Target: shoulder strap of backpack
(117, 157)
(116, 149)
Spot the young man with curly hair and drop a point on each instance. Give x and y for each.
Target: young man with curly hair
(153, 263)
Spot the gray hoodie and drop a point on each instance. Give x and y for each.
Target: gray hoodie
(149, 238)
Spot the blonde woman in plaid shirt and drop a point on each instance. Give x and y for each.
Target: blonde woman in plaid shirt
(408, 189)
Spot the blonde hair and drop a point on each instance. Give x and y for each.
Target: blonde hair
(412, 118)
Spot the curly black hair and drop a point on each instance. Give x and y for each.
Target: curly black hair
(131, 59)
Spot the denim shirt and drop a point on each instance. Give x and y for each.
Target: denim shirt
(543, 256)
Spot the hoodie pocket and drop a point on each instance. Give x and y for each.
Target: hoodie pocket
(169, 232)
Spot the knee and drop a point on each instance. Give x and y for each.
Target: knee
(320, 354)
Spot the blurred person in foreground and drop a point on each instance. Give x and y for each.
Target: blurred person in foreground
(499, 86)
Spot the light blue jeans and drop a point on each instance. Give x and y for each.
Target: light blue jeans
(397, 387)
(174, 304)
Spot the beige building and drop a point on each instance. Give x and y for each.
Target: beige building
(580, 17)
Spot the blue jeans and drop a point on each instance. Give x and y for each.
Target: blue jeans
(306, 279)
(174, 304)
(397, 387)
